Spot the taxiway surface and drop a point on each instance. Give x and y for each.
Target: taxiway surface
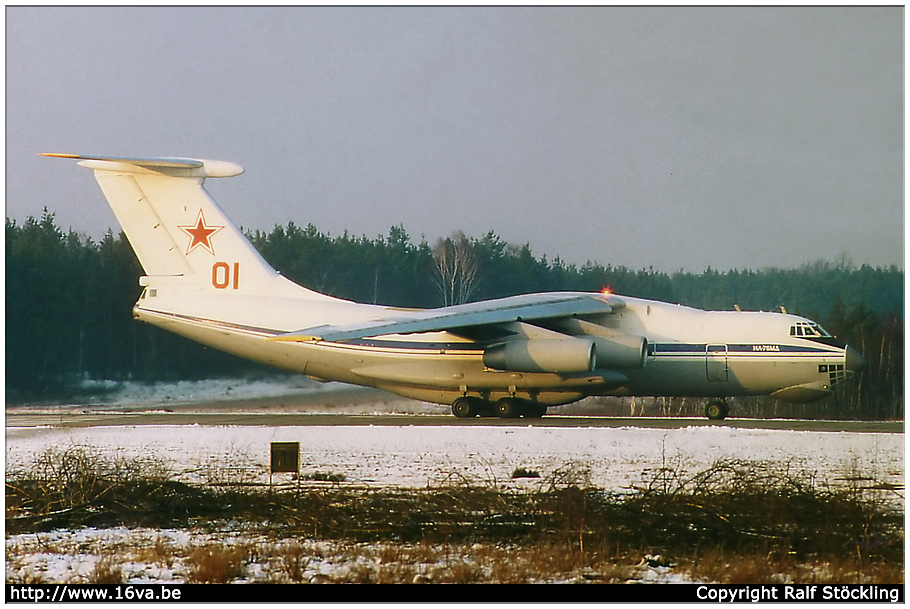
(338, 410)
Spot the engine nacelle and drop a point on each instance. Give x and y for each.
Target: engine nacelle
(561, 355)
(621, 351)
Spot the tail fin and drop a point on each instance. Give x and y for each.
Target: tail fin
(177, 230)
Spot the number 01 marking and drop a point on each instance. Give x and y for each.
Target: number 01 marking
(222, 275)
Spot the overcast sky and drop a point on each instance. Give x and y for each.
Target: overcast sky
(666, 137)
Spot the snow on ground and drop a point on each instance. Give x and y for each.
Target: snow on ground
(414, 456)
(401, 456)
(409, 456)
(145, 556)
(133, 393)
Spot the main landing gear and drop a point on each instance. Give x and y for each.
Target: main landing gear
(506, 408)
(717, 410)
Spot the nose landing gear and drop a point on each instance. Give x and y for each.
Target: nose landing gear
(717, 410)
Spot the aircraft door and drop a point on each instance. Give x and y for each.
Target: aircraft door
(716, 362)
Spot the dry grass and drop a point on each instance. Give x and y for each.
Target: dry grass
(294, 560)
(215, 563)
(715, 566)
(159, 552)
(736, 522)
(300, 561)
(107, 571)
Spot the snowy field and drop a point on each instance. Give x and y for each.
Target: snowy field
(75, 556)
(617, 459)
(612, 458)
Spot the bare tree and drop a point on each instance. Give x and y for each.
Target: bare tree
(456, 269)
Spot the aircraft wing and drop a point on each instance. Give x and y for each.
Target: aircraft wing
(528, 307)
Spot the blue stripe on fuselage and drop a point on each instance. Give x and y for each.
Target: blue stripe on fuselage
(700, 349)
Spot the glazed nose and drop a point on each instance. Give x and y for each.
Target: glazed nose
(853, 361)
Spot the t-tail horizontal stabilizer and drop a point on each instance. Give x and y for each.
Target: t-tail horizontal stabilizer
(178, 231)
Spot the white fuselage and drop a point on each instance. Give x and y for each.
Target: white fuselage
(690, 352)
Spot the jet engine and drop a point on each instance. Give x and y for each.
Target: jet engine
(621, 351)
(561, 355)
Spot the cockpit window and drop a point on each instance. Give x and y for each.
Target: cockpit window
(820, 331)
(809, 329)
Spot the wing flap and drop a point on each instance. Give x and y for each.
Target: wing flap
(527, 307)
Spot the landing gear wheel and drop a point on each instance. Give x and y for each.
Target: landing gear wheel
(465, 408)
(508, 408)
(535, 411)
(717, 410)
(486, 409)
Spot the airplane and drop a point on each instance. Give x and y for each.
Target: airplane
(509, 357)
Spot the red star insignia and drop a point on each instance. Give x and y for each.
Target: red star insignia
(200, 234)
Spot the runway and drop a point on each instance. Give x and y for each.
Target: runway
(244, 414)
